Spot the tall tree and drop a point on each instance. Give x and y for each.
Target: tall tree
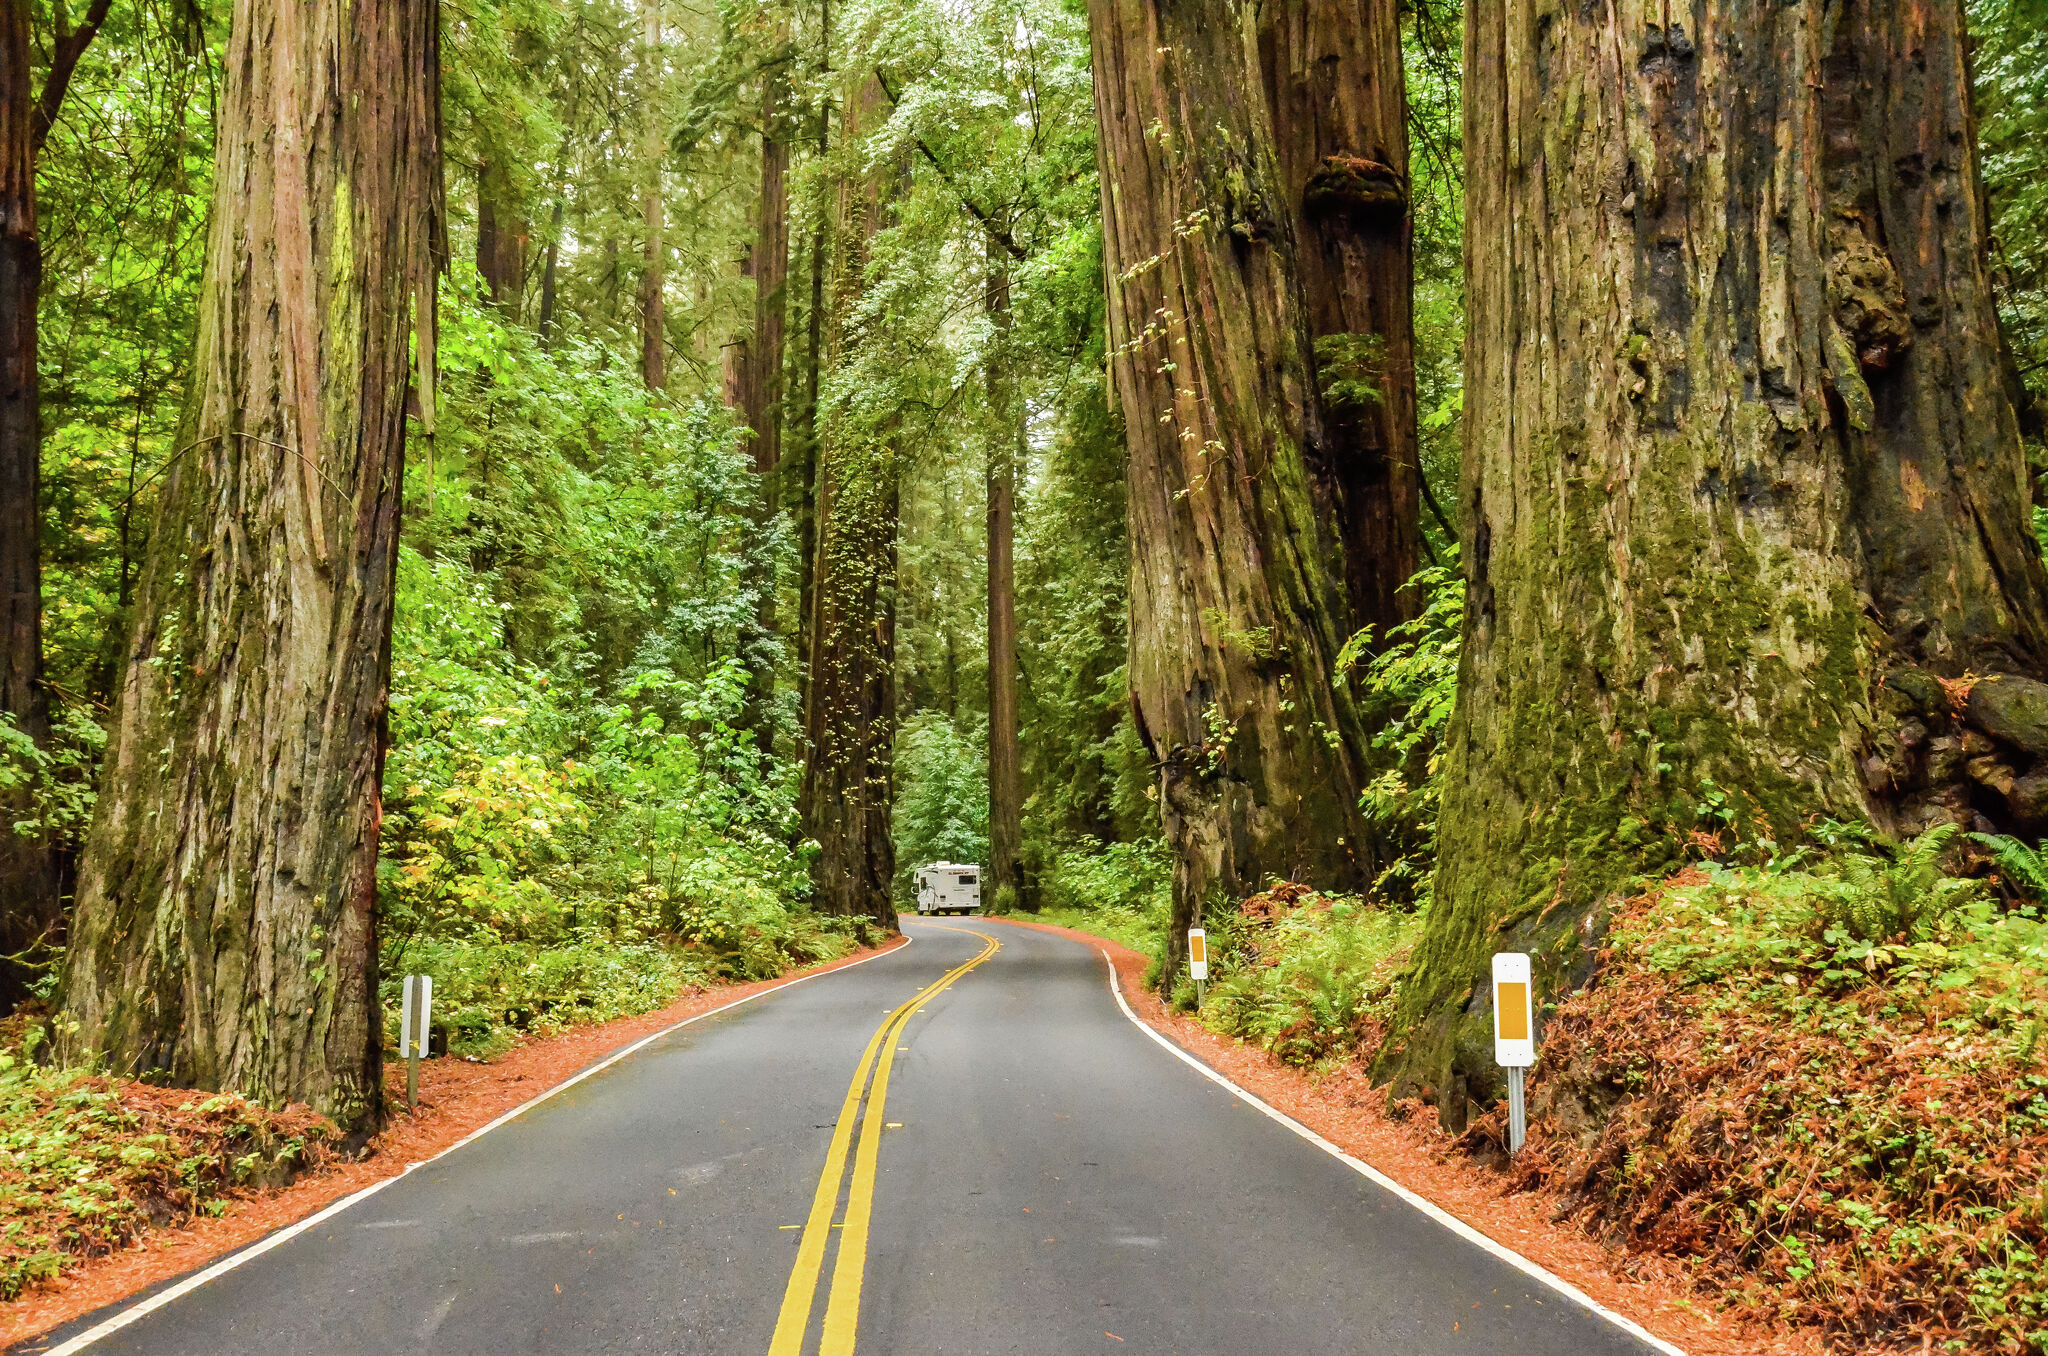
(1741, 480)
(653, 247)
(1334, 87)
(29, 906)
(850, 707)
(1004, 878)
(761, 394)
(1237, 591)
(502, 237)
(225, 930)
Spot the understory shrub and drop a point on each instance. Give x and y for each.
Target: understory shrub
(1823, 1081)
(1308, 976)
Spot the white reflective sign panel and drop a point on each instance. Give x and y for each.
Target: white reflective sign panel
(1514, 1011)
(1198, 954)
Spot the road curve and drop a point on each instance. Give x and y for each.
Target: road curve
(1044, 1179)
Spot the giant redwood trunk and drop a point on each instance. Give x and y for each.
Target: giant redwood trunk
(1005, 873)
(502, 237)
(1339, 107)
(28, 884)
(653, 239)
(850, 703)
(761, 390)
(1741, 481)
(1238, 598)
(224, 934)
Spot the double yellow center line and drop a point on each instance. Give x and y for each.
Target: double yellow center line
(842, 1307)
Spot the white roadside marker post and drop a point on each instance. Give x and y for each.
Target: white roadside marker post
(414, 1022)
(1198, 961)
(1514, 1034)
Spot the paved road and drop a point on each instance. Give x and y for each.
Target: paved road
(1043, 1178)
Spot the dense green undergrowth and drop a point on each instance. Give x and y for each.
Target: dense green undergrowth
(1822, 1080)
(87, 1163)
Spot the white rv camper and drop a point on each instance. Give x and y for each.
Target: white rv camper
(948, 887)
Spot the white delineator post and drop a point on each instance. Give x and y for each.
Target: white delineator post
(1514, 1034)
(414, 1022)
(1198, 961)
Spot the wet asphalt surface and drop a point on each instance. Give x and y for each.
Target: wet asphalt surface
(1059, 1184)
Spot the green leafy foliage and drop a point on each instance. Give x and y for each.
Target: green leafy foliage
(1308, 976)
(941, 799)
(91, 1162)
(1122, 891)
(1413, 677)
(1821, 1080)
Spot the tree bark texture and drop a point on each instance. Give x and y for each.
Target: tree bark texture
(224, 934)
(28, 880)
(1237, 588)
(762, 391)
(1339, 110)
(653, 249)
(850, 707)
(1004, 876)
(1741, 482)
(502, 237)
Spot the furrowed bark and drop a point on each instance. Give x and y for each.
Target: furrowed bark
(1004, 877)
(1237, 591)
(1339, 109)
(29, 907)
(850, 713)
(225, 934)
(1741, 479)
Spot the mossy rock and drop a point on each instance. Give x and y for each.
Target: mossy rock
(2012, 709)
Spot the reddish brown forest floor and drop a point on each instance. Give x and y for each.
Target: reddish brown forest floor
(1346, 1110)
(456, 1097)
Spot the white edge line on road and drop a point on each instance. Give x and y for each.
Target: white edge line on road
(262, 1245)
(1380, 1179)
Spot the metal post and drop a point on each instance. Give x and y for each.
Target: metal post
(1517, 1116)
(1201, 990)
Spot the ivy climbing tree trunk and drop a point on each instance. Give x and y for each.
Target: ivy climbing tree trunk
(1004, 877)
(850, 708)
(224, 934)
(1741, 481)
(1339, 109)
(1237, 582)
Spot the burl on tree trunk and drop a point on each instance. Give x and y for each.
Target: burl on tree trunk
(1238, 600)
(1339, 107)
(224, 934)
(850, 702)
(1742, 488)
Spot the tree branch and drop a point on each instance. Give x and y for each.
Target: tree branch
(996, 233)
(70, 47)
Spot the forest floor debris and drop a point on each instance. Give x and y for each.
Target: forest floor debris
(177, 1226)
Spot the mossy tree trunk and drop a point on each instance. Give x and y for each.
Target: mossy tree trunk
(1339, 107)
(761, 385)
(502, 238)
(1741, 480)
(1003, 880)
(1238, 600)
(224, 935)
(850, 705)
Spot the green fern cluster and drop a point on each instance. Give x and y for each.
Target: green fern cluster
(1902, 895)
